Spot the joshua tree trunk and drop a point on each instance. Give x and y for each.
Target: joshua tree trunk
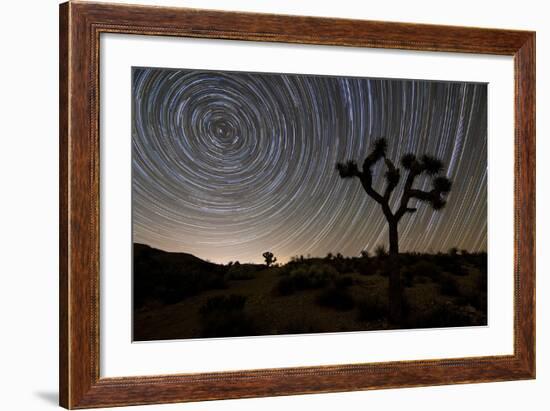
(395, 293)
(394, 238)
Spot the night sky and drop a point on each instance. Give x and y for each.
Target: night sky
(227, 165)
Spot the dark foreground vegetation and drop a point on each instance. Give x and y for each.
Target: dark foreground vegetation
(178, 295)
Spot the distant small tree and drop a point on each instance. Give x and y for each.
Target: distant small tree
(415, 167)
(364, 254)
(453, 251)
(269, 258)
(329, 256)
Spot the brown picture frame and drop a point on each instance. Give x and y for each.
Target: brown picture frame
(81, 24)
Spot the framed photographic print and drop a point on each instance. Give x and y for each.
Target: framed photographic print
(256, 205)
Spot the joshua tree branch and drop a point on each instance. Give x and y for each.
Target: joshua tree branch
(392, 178)
(350, 169)
(404, 206)
(423, 195)
(366, 182)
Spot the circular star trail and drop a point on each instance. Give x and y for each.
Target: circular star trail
(227, 165)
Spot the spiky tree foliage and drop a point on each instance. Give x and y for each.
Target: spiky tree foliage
(269, 258)
(413, 167)
(380, 251)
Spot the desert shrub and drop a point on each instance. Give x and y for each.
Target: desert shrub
(457, 269)
(297, 259)
(420, 269)
(475, 293)
(479, 261)
(336, 298)
(383, 268)
(480, 295)
(366, 266)
(451, 263)
(241, 272)
(344, 267)
(305, 278)
(224, 316)
(407, 259)
(441, 315)
(341, 264)
(223, 303)
(343, 282)
(322, 272)
(285, 286)
(285, 269)
(448, 286)
(372, 266)
(387, 266)
(373, 308)
(380, 251)
(407, 277)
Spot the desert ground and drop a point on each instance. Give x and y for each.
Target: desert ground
(179, 296)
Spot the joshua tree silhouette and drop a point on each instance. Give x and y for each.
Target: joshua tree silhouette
(415, 167)
(269, 258)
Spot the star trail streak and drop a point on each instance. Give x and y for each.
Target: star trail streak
(227, 165)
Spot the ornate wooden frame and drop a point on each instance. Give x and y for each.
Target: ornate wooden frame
(81, 24)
